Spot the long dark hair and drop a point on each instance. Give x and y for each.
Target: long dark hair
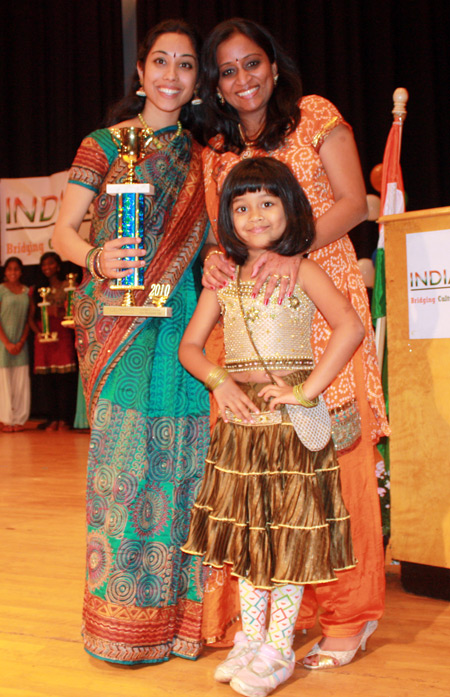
(266, 174)
(131, 105)
(283, 113)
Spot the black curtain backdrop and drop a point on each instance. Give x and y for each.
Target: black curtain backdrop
(62, 66)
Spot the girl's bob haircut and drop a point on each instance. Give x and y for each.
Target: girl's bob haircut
(273, 176)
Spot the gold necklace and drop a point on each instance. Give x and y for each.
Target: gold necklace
(248, 143)
(151, 133)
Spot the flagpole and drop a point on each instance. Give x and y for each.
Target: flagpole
(400, 99)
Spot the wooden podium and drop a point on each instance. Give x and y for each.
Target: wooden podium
(419, 394)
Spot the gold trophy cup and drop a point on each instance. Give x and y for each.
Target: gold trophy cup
(130, 206)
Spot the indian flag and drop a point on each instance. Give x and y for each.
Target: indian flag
(392, 202)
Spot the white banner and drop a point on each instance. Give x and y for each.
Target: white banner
(28, 211)
(428, 263)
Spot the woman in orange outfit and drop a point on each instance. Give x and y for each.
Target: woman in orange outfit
(253, 98)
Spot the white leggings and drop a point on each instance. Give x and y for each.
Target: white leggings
(14, 395)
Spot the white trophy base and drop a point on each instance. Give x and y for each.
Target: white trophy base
(115, 189)
(136, 311)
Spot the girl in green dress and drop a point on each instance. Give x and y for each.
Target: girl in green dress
(14, 373)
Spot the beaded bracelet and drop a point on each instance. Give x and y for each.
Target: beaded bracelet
(216, 377)
(214, 251)
(300, 397)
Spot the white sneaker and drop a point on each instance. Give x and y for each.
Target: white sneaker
(268, 669)
(240, 655)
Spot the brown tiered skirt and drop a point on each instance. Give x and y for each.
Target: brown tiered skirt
(269, 507)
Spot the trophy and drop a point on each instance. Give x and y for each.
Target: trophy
(130, 205)
(46, 335)
(67, 321)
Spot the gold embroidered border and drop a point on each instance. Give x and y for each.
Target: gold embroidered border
(273, 363)
(271, 525)
(194, 554)
(324, 131)
(266, 472)
(276, 581)
(337, 520)
(304, 583)
(203, 508)
(299, 527)
(264, 418)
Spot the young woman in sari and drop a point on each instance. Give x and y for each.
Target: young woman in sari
(253, 98)
(149, 417)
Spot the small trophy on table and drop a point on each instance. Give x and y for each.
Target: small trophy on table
(130, 206)
(46, 335)
(68, 321)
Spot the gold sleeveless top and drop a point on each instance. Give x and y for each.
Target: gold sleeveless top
(281, 333)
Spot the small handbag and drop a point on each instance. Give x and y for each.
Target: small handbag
(312, 424)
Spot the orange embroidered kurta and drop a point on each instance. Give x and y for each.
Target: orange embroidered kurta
(359, 594)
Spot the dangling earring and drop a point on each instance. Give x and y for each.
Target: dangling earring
(140, 91)
(196, 100)
(275, 79)
(220, 96)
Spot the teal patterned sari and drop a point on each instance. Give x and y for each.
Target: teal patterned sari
(149, 417)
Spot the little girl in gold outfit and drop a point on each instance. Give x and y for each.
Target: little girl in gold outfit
(270, 505)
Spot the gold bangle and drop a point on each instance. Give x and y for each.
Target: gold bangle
(98, 264)
(215, 377)
(214, 251)
(93, 265)
(88, 257)
(90, 260)
(300, 397)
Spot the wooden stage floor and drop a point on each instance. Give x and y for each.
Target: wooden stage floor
(42, 560)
